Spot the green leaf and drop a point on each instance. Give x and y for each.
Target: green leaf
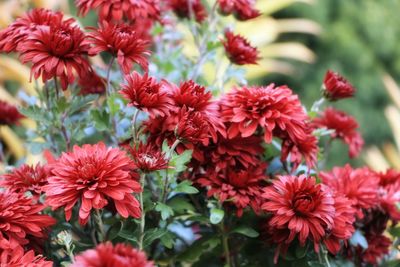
(153, 234)
(186, 187)
(36, 113)
(179, 161)
(358, 239)
(247, 231)
(128, 235)
(113, 103)
(180, 204)
(80, 103)
(395, 231)
(216, 215)
(198, 248)
(315, 264)
(165, 210)
(301, 251)
(100, 119)
(168, 240)
(114, 230)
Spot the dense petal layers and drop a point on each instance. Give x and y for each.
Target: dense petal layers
(239, 50)
(336, 87)
(9, 114)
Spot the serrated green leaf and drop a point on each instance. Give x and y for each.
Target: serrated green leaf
(114, 230)
(36, 113)
(179, 161)
(216, 215)
(165, 210)
(395, 231)
(198, 248)
(128, 235)
(168, 240)
(100, 119)
(186, 187)
(180, 204)
(152, 235)
(247, 231)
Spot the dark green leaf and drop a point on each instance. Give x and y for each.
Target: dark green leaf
(114, 230)
(165, 210)
(152, 235)
(199, 247)
(168, 240)
(247, 231)
(179, 161)
(180, 204)
(100, 119)
(186, 187)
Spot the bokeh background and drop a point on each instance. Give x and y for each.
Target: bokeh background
(299, 40)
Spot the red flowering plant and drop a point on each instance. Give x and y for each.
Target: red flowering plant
(145, 161)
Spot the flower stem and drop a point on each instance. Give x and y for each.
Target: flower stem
(110, 64)
(134, 129)
(143, 216)
(325, 253)
(166, 181)
(100, 225)
(225, 244)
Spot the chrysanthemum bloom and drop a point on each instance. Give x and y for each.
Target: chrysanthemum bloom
(121, 9)
(18, 258)
(388, 178)
(378, 246)
(345, 127)
(239, 50)
(241, 187)
(122, 41)
(109, 255)
(146, 94)
(360, 186)
(9, 114)
(21, 28)
(300, 208)
(56, 52)
(189, 8)
(192, 127)
(91, 83)
(94, 175)
(26, 179)
(21, 221)
(336, 87)
(148, 158)
(343, 228)
(389, 193)
(242, 9)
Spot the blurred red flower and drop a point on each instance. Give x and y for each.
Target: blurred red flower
(121, 9)
(148, 95)
(56, 51)
(94, 175)
(148, 157)
(336, 87)
(345, 127)
(109, 255)
(9, 114)
(122, 41)
(360, 186)
(91, 83)
(300, 208)
(378, 246)
(239, 50)
(21, 221)
(389, 193)
(241, 9)
(185, 9)
(19, 258)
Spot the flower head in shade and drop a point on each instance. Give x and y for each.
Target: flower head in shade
(122, 41)
(192, 127)
(343, 228)
(240, 187)
(360, 186)
(26, 179)
(148, 158)
(241, 9)
(21, 221)
(336, 87)
(121, 9)
(147, 94)
(239, 50)
(56, 51)
(389, 193)
(345, 128)
(9, 114)
(184, 9)
(109, 255)
(18, 257)
(30, 22)
(378, 246)
(94, 176)
(300, 209)
(91, 83)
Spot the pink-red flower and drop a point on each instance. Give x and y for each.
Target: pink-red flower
(300, 209)
(9, 114)
(378, 246)
(192, 127)
(242, 9)
(56, 51)
(189, 8)
(336, 87)
(93, 176)
(148, 95)
(389, 193)
(18, 258)
(148, 158)
(109, 255)
(240, 187)
(239, 50)
(345, 127)
(91, 83)
(122, 41)
(21, 221)
(360, 186)
(121, 9)
(26, 179)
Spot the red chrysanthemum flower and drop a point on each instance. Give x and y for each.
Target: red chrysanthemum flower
(26, 179)
(21, 221)
(239, 50)
(343, 228)
(109, 255)
(9, 114)
(56, 51)
(300, 208)
(121, 9)
(93, 175)
(148, 158)
(242, 9)
(146, 94)
(192, 127)
(345, 127)
(360, 186)
(189, 8)
(91, 83)
(19, 30)
(378, 246)
(240, 187)
(389, 193)
(388, 178)
(19, 258)
(122, 41)
(336, 87)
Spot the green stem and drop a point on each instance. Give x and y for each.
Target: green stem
(110, 64)
(166, 181)
(100, 225)
(225, 244)
(134, 129)
(326, 258)
(143, 216)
